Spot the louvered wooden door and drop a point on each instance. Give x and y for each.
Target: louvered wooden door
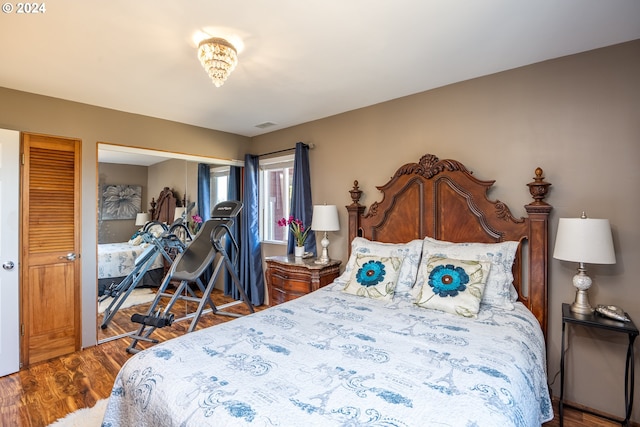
(50, 265)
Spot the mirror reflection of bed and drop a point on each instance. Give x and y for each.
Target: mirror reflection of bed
(119, 240)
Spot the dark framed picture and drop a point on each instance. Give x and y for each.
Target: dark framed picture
(120, 201)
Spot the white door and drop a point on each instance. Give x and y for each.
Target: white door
(9, 251)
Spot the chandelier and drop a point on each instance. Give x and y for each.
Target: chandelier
(218, 57)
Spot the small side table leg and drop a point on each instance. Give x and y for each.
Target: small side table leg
(561, 403)
(629, 381)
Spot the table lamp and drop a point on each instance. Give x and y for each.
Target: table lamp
(142, 218)
(585, 241)
(325, 218)
(180, 213)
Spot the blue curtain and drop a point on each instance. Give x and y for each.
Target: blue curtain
(301, 201)
(250, 271)
(204, 191)
(204, 206)
(233, 193)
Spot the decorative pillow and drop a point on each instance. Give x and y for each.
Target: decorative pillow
(452, 285)
(410, 254)
(155, 230)
(374, 277)
(136, 239)
(499, 290)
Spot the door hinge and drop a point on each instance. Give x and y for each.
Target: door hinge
(22, 159)
(22, 329)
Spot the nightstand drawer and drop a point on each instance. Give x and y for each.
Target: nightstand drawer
(291, 282)
(289, 277)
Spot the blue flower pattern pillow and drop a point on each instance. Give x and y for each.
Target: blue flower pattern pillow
(374, 277)
(410, 253)
(499, 290)
(453, 286)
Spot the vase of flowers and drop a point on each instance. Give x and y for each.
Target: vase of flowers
(299, 232)
(194, 224)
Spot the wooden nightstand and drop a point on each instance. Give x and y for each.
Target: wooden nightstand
(289, 277)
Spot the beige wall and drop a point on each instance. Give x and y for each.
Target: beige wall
(577, 117)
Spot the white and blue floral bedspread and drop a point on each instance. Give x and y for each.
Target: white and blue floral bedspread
(331, 358)
(118, 259)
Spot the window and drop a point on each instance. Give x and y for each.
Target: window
(276, 180)
(219, 177)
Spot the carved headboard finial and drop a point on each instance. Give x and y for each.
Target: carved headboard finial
(356, 193)
(539, 188)
(430, 166)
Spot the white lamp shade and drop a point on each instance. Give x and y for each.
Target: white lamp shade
(178, 213)
(584, 240)
(142, 218)
(325, 218)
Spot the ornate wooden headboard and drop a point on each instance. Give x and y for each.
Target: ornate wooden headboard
(443, 200)
(164, 209)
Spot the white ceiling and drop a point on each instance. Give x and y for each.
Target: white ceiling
(301, 60)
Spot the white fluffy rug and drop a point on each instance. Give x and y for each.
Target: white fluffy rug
(85, 417)
(137, 296)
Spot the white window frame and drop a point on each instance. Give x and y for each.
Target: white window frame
(216, 173)
(266, 216)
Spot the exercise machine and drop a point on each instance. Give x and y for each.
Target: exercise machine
(188, 267)
(165, 245)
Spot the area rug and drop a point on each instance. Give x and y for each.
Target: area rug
(137, 296)
(85, 417)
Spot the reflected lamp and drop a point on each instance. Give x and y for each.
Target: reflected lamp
(142, 218)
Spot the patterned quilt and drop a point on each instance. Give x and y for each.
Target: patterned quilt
(331, 358)
(118, 259)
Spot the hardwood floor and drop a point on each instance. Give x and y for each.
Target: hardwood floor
(39, 395)
(46, 391)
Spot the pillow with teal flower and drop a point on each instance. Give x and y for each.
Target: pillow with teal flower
(410, 253)
(499, 290)
(452, 285)
(374, 277)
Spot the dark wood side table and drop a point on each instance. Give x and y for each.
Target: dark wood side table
(289, 277)
(597, 321)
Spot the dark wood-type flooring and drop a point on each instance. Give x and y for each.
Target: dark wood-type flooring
(47, 391)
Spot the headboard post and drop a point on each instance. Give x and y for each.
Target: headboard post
(538, 212)
(356, 210)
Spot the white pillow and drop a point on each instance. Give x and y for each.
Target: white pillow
(374, 277)
(499, 290)
(409, 253)
(155, 230)
(452, 285)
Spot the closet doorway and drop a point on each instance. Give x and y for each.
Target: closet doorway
(50, 250)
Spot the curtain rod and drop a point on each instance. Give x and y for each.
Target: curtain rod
(310, 145)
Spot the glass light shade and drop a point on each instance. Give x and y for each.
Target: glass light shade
(142, 218)
(585, 240)
(325, 218)
(219, 58)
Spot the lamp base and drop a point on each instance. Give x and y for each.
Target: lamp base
(581, 304)
(582, 282)
(324, 258)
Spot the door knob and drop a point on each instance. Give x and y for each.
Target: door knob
(8, 265)
(71, 256)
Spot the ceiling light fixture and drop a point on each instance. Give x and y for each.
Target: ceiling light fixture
(218, 57)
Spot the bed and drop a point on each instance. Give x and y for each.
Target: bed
(117, 260)
(368, 354)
